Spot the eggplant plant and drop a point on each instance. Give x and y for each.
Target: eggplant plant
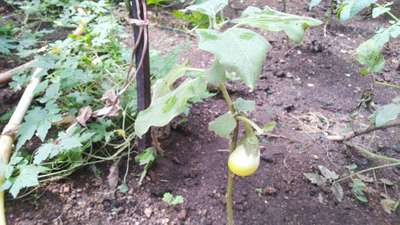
(238, 53)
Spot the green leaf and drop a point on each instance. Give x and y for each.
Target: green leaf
(209, 7)
(313, 3)
(164, 85)
(381, 9)
(45, 62)
(350, 8)
(37, 122)
(223, 125)
(387, 113)
(62, 145)
(146, 157)
(162, 65)
(216, 74)
(28, 177)
(269, 127)
(6, 46)
(172, 200)
(234, 49)
(245, 106)
(123, 188)
(52, 93)
(162, 110)
(369, 52)
(271, 20)
(358, 187)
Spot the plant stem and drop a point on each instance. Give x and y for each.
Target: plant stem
(227, 98)
(248, 121)
(232, 147)
(3, 220)
(389, 13)
(370, 129)
(230, 182)
(369, 154)
(388, 84)
(367, 170)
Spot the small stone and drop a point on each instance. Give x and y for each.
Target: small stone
(280, 74)
(270, 190)
(148, 212)
(182, 214)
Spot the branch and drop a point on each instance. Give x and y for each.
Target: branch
(370, 129)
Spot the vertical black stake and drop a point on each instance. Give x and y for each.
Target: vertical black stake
(143, 73)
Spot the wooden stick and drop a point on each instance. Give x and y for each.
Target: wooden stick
(7, 75)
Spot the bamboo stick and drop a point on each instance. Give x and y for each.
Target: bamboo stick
(7, 75)
(10, 131)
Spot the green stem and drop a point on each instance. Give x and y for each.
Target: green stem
(232, 147)
(388, 84)
(248, 121)
(230, 182)
(3, 220)
(389, 13)
(370, 155)
(367, 170)
(227, 98)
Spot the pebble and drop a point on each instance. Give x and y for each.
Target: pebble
(148, 212)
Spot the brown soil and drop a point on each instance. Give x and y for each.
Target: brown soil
(319, 77)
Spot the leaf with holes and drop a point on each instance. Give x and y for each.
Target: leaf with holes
(162, 110)
(235, 50)
(223, 125)
(271, 20)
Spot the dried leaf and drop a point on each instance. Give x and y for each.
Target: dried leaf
(389, 205)
(113, 175)
(85, 114)
(315, 178)
(386, 182)
(365, 178)
(111, 106)
(328, 174)
(337, 191)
